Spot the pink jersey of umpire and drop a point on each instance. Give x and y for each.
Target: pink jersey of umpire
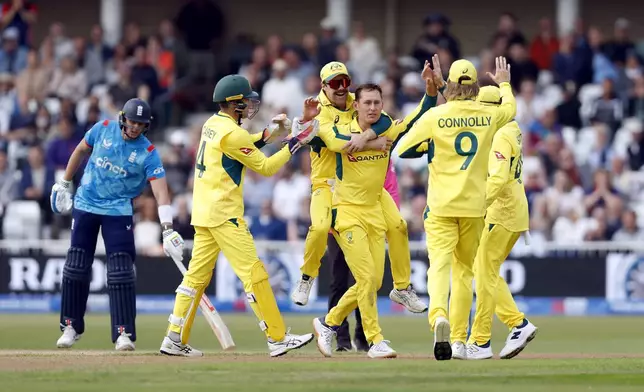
(391, 183)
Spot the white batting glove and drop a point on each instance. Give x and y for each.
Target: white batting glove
(173, 244)
(61, 197)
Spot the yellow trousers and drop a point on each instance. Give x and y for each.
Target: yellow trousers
(451, 246)
(492, 292)
(397, 236)
(235, 241)
(360, 232)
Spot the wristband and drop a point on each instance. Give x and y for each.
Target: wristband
(165, 213)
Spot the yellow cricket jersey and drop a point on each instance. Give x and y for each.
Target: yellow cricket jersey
(323, 160)
(225, 150)
(508, 204)
(360, 176)
(461, 133)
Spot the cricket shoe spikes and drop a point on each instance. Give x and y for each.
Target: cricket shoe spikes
(124, 343)
(68, 338)
(290, 342)
(475, 351)
(170, 347)
(459, 350)
(518, 339)
(301, 293)
(382, 350)
(442, 347)
(325, 335)
(408, 298)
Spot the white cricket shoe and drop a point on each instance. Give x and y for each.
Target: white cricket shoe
(290, 342)
(68, 338)
(442, 347)
(123, 342)
(408, 298)
(300, 295)
(170, 347)
(518, 339)
(325, 335)
(382, 350)
(458, 350)
(479, 352)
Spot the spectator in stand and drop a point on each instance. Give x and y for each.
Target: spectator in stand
(342, 55)
(608, 109)
(43, 123)
(545, 45)
(311, 49)
(132, 38)
(20, 15)
(257, 189)
(13, 58)
(617, 49)
(522, 66)
(539, 130)
(274, 48)
(96, 56)
(162, 60)
(114, 64)
(202, 25)
(68, 81)
(629, 230)
(182, 218)
(435, 36)
(566, 65)
(267, 226)
(507, 28)
(8, 182)
(601, 155)
(568, 165)
(411, 92)
(281, 93)
(298, 228)
(62, 46)
(530, 106)
(123, 91)
(37, 180)
(603, 68)
(562, 196)
(288, 193)
(364, 53)
(32, 81)
(603, 195)
(635, 107)
(549, 150)
(572, 226)
(144, 74)
(599, 230)
(147, 231)
(416, 224)
(568, 109)
(328, 41)
(258, 70)
(633, 67)
(297, 68)
(62, 144)
(177, 162)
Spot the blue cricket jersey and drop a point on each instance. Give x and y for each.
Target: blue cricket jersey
(117, 171)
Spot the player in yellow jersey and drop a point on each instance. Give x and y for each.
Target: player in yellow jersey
(507, 217)
(336, 107)
(358, 220)
(461, 132)
(225, 151)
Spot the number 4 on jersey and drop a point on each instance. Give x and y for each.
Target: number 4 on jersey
(200, 157)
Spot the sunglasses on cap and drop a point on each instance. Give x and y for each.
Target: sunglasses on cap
(337, 83)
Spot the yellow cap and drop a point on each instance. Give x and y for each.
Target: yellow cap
(333, 69)
(489, 94)
(462, 72)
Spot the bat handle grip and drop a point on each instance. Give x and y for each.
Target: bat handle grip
(180, 265)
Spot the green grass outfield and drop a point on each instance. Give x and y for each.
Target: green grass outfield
(569, 354)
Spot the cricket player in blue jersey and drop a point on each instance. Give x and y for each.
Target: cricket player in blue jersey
(122, 160)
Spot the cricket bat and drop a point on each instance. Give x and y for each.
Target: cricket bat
(212, 317)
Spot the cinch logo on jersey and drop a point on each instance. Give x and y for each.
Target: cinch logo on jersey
(464, 122)
(361, 158)
(104, 163)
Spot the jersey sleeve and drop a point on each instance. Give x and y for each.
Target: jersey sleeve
(508, 108)
(421, 131)
(92, 134)
(239, 146)
(258, 139)
(153, 166)
(332, 137)
(417, 152)
(382, 125)
(403, 126)
(498, 166)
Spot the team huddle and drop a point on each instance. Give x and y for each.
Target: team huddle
(476, 211)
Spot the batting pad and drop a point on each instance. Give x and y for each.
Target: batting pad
(121, 288)
(264, 305)
(77, 275)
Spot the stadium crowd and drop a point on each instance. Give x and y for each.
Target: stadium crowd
(580, 101)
